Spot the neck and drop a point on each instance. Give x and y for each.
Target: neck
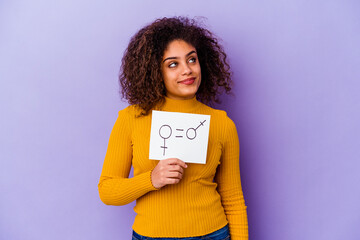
(175, 105)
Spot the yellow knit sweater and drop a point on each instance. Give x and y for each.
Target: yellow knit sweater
(207, 198)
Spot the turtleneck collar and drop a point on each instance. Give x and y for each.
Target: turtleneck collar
(174, 105)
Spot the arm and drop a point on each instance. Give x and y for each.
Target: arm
(115, 188)
(229, 184)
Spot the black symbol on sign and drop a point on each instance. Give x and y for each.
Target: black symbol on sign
(191, 132)
(178, 129)
(165, 132)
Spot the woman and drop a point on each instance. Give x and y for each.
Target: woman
(175, 65)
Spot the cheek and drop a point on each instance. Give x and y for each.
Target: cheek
(170, 77)
(168, 80)
(165, 76)
(197, 69)
(199, 72)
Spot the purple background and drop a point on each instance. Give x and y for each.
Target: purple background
(296, 106)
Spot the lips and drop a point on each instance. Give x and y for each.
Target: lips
(188, 81)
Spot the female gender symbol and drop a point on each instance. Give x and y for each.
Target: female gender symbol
(165, 134)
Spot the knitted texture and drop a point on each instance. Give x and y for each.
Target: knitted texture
(208, 197)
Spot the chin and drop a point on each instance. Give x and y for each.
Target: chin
(188, 94)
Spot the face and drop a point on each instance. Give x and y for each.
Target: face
(181, 71)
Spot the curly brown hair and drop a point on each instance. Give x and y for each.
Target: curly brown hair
(140, 76)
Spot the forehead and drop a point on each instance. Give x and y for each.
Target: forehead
(178, 48)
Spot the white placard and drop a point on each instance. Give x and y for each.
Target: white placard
(179, 135)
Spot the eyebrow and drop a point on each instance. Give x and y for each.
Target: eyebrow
(178, 57)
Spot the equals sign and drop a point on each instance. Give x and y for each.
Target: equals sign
(179, 130)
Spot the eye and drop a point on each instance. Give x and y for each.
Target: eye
(173, 64)
(192, 60)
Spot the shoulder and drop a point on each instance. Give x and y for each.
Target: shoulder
(127, 118)
(220, 122)
(217, 114)
(130, 112)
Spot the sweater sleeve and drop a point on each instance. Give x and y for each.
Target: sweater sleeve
(115, 188)
(229, 184)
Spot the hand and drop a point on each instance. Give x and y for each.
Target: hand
(168, 171)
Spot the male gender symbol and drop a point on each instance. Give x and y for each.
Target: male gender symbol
(165, 132)
(191, 132)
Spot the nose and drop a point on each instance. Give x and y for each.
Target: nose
(187, 70)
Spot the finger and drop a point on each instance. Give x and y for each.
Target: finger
(174, 175)
(182, 163)
(172, 160)
(176, 161)
(172, 180)
(176, 168)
